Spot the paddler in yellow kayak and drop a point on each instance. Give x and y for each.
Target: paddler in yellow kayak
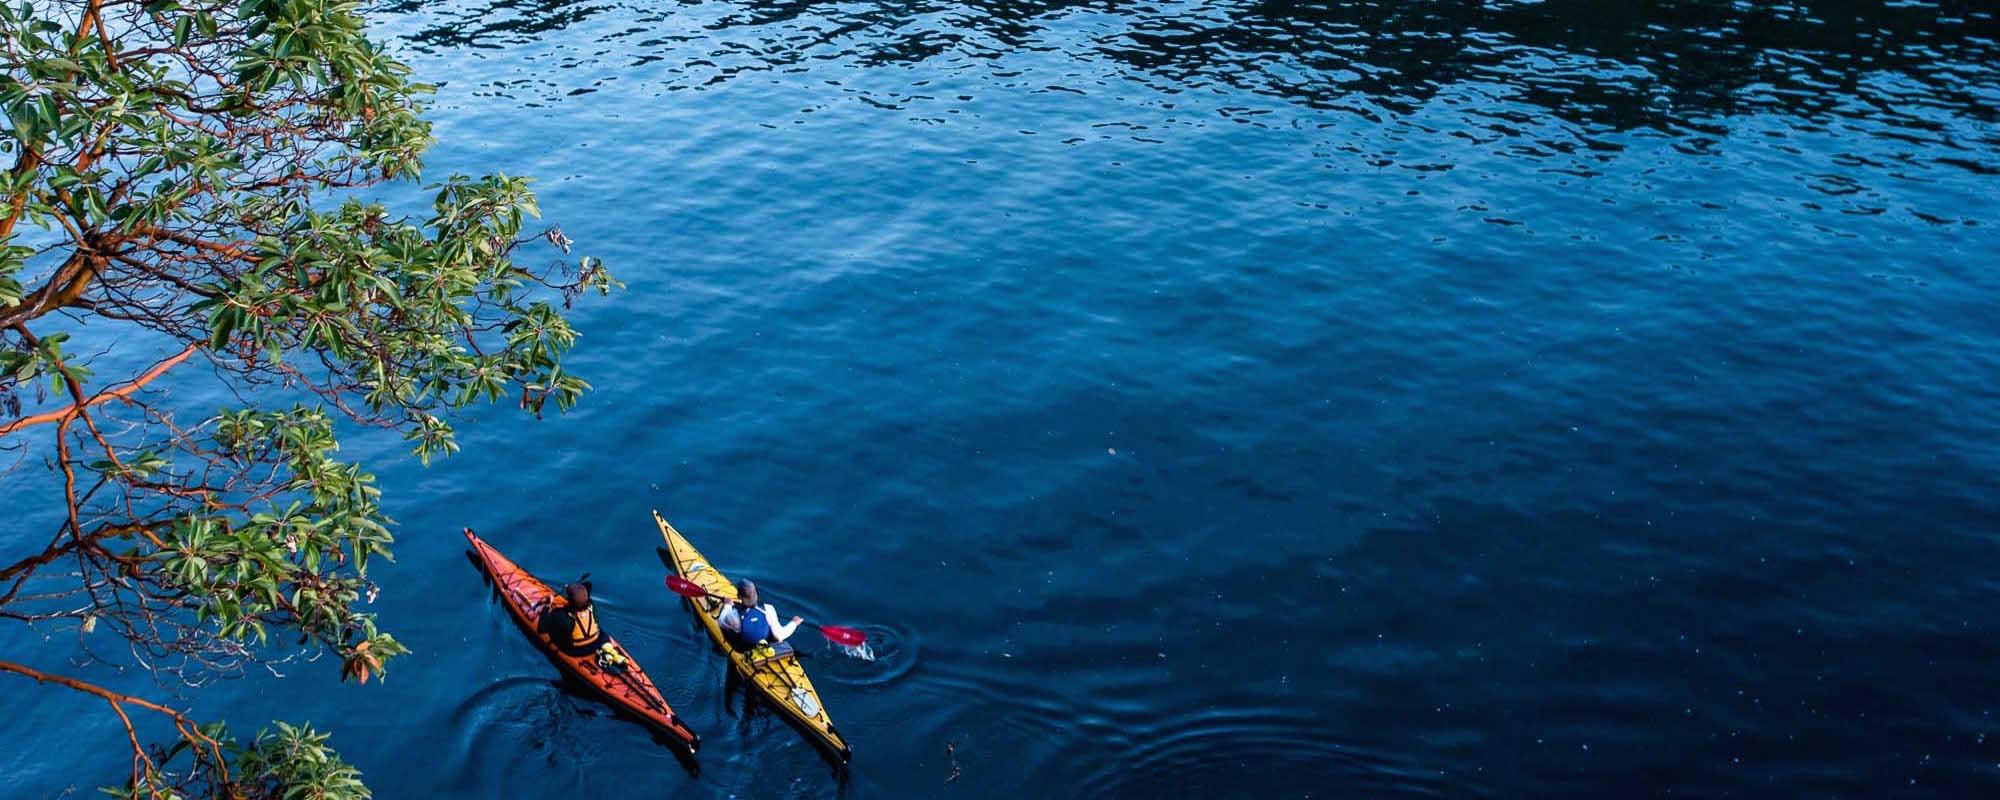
(751, 622)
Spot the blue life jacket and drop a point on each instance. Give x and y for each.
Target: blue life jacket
(755, 628)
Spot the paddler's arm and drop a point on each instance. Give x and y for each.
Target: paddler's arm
(555, 621)
(780, 632)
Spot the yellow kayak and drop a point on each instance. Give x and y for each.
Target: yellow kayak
(778, 676)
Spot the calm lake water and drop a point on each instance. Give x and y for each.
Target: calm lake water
(1217, 399)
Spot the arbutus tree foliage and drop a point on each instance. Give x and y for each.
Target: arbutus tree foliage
(187, 188)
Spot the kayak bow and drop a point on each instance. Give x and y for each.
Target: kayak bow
(781, 680)
(629, 691)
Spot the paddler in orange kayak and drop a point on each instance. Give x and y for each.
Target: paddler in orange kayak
(571, 623)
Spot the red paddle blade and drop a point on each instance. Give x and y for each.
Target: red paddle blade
(848, 637)
(684, 587)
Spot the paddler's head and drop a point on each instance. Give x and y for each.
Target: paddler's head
(577, 594)
(746, 593)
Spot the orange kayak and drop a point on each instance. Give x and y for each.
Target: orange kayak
(629, 691)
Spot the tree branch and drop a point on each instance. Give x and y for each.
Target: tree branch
(120, 393)
(144, 768)
(91, 689)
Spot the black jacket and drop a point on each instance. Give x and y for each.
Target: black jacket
(557, 623)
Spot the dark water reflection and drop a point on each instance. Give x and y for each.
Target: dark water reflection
(1905, 88)
(1669, 66)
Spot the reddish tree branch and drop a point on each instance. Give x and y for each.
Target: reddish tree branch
(92, 689)
(206, 748)
(65, 413)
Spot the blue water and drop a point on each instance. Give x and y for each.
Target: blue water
(1219, 399)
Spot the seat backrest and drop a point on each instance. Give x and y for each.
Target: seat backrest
(769, 653)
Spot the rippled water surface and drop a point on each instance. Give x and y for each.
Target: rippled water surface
(1227, 399)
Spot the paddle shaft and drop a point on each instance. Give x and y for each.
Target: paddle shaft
(837, 633)
(707, 593)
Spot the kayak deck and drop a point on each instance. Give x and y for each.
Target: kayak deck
(780, 680)
(527, 598)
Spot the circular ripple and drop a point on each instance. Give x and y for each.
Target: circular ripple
(895, 653)
(511, 714)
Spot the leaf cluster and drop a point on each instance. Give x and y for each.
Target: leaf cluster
(300, 560)
(283, 762)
